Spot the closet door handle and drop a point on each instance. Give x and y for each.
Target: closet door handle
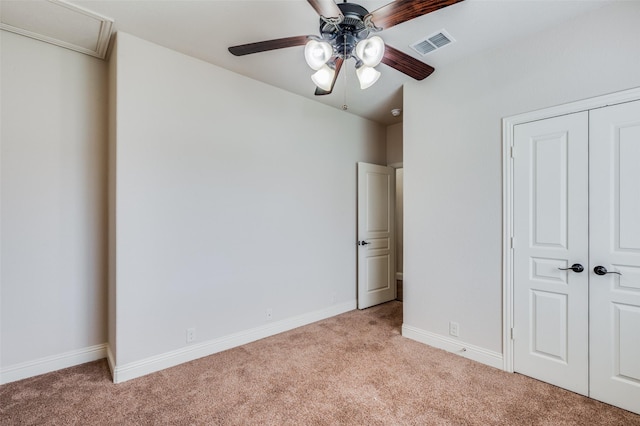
(601, 270)
(576, 267)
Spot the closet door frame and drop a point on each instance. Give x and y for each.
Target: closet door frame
(508, 125)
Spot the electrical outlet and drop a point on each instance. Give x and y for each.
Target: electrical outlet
(191, 335)
(453, 328)
(269, 314)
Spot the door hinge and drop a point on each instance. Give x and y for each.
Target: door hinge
(511, 151)
(511, 242)
(512, 334)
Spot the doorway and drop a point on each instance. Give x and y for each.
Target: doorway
(376, 235)
(572, 248)
(399, 231)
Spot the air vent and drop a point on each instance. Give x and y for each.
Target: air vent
(58, 22)
(433, 42)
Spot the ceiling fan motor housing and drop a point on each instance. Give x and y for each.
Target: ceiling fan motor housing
(345, 35)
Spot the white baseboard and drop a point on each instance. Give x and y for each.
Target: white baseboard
(122, 373)
(476, 353)
(111, 360)
(52, 363)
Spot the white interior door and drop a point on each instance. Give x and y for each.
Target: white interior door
(576, 201)
(376, 243)
(614, 208)
(550, 200)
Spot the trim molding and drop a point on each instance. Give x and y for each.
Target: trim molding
(132, 370)
(52, 363)
(508, 124)
(102, 37)
(466, 350)
(170, 359)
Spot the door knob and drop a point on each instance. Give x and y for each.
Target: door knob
(576, 267)
(363, 243)
(601, 270)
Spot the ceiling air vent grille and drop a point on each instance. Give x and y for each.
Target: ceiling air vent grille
(432, 42)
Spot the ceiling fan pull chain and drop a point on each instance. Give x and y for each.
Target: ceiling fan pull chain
(344, 105)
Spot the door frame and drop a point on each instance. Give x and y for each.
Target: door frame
(396, 166)
(508, 124)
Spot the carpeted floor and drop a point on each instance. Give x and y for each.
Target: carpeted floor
(351, 369)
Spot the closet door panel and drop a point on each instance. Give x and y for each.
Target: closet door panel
(614, 231)
(550, 235)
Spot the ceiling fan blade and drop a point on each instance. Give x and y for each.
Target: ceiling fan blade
(319, 91)
(327, 9)
(401, 11)
(262, 46)
(406, 64)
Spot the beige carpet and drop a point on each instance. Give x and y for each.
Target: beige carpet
(351, 369)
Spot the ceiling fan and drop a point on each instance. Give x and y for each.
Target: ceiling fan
(344, 33)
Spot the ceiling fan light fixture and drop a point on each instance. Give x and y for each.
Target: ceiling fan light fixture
(370, 51)
(317, 53)
(346, 32)
(323, 78)
(367, 76)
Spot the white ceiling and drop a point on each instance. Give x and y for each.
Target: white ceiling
(206, 28)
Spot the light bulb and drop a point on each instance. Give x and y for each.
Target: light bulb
(317, 53)
(370, 51)
(323, 78)
(367, 76)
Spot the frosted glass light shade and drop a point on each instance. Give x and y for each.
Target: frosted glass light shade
(370, 51)
(323, 78)
(317, 53)
(367, 76)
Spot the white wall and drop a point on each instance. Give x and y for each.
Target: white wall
(394, 157)
(112, 84)
(452, 141)
(53, 203)
(231, 199)
(394, 144)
